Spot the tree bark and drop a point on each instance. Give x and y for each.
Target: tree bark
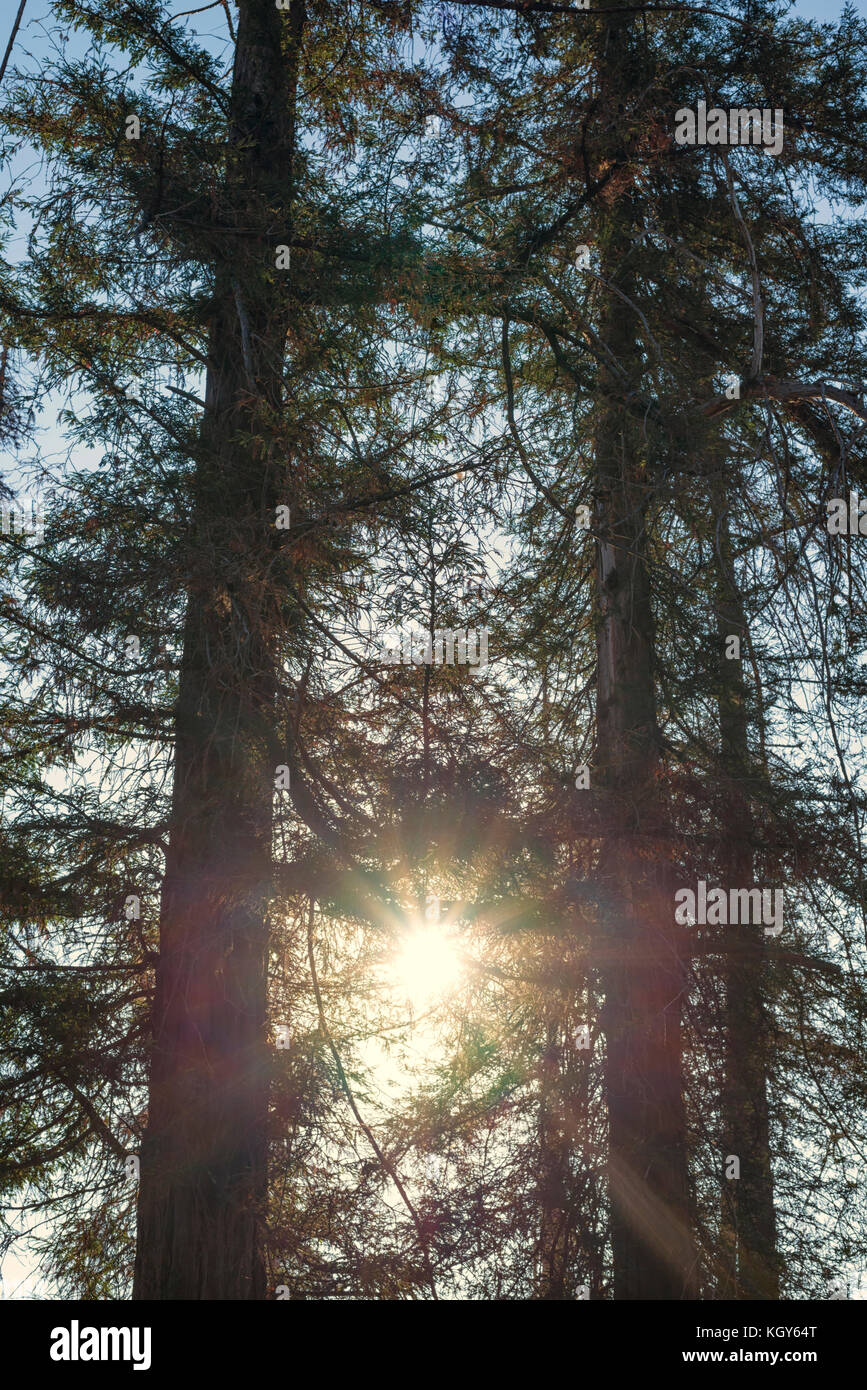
(553, 1182)
(203, 1184)
(643, 968)
(748, 1246)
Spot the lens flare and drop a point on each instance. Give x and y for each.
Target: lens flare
(427, 965)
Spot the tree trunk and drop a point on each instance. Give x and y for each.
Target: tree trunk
(553, 1181)
(643, 970)
(203, 1183)
(750, 1265)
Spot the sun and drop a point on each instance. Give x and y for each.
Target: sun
(427, 965)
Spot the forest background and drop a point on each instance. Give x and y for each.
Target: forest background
(427, 321)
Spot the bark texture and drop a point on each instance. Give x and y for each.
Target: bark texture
(750, 1264)
(643, 967)
(204, 1156)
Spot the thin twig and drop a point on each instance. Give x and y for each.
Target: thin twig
(15, 27)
